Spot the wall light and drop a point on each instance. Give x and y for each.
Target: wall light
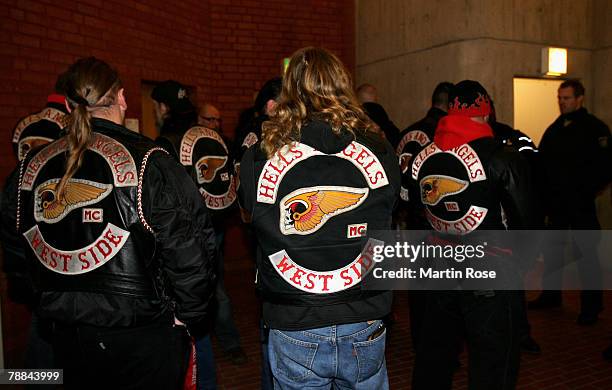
(554, 61)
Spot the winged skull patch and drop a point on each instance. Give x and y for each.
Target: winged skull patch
(436, 187)
(208, 166)
(306, 210)
(51, 208)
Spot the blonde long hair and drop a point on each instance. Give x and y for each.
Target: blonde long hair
(316, 85)
(92, 84)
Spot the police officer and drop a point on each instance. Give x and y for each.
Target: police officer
(316, 181)
(494, 177)
(118, 243)
(575, 167)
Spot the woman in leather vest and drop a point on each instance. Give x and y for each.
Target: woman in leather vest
(318, 178)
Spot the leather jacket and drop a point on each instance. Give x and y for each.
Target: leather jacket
(309, 206)
(129, 242)
(465, 188)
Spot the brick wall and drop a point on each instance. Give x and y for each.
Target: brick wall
(226, 49)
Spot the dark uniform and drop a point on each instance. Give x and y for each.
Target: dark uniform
(465, 178)
(127, 249)
(575, 166)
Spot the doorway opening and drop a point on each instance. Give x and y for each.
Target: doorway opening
(535, 105)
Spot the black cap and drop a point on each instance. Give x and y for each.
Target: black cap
(173, 94)
(469, 98)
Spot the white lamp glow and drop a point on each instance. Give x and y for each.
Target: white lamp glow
(554, 61)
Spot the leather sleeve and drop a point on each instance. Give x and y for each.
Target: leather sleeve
(247, 180)
(513, 173)
(184, 236)
(15, 264)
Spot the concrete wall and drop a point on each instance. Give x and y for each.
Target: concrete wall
(602, 60)
(406, 47)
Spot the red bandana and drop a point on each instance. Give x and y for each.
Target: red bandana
(456, 130)
(56, 98)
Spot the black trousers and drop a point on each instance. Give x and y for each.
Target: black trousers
(148, 357)
(585, 246)
(489, 324)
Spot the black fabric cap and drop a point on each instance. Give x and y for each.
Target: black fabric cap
(173, 94)
(469, 98)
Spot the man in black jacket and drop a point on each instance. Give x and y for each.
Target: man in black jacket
(264, 105)
(484, 176)
(416, 136)
(524, 145)
(411, 141)
(117, 241)
(205, 156)
(31, 132)
(575, 167)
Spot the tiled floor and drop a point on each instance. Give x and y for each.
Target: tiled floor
(571, 357)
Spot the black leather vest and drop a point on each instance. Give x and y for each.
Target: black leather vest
(206, 157)
(94, 238)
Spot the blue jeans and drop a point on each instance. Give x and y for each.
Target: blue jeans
(338, 356)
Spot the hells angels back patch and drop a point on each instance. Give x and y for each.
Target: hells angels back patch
(50, 207)
(119, 160)
(437, 188)
(216, 185)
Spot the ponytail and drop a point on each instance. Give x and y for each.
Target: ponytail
(91, 85)
(78, 137)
